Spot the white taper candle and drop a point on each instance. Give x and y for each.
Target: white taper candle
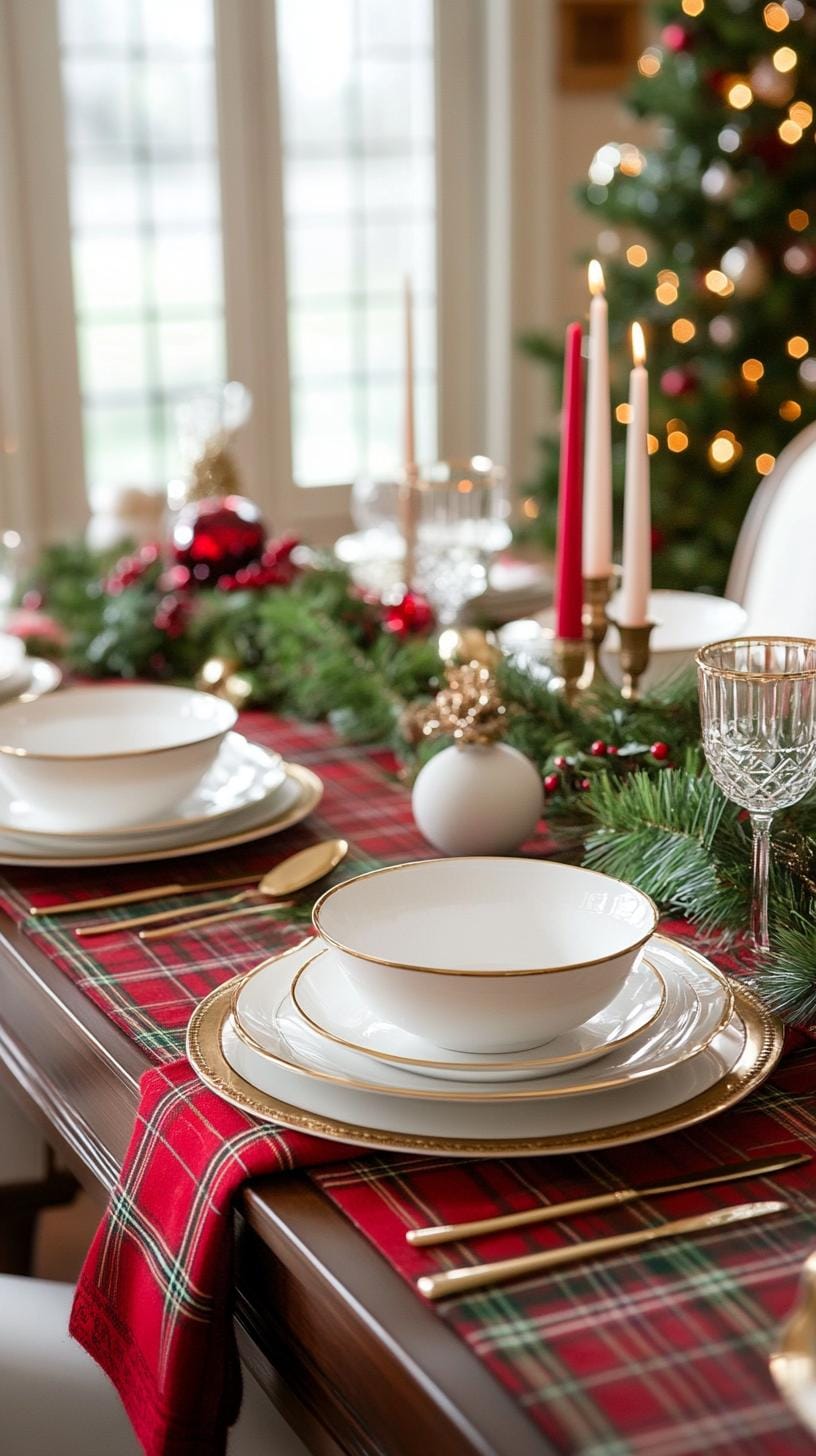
(633, 604)
(597, 548)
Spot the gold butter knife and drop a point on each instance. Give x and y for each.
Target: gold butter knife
(482, 1276)
(135, 897)
(445, 1233)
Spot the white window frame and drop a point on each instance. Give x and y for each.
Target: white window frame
(494, 56)
(42, 482)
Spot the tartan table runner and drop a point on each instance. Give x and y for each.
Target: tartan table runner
(662, 1352)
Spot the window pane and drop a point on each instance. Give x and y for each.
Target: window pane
(139, 86)
(360, 198)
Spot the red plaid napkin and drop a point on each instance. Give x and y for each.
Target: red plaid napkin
(154, 1300)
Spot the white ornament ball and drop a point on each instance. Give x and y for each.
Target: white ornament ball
(477, 799)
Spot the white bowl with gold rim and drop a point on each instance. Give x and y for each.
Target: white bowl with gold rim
(485, 954)
(102, 758)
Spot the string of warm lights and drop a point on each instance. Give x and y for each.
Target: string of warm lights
(740, 268)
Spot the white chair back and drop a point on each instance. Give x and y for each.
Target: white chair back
(773, 572)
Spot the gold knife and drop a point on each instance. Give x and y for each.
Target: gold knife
(445, 1233)
(135, 897)
(482, 1276)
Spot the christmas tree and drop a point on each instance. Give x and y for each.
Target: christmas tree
(709, 238)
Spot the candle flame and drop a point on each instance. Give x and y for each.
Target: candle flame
(638, 344)
(595, 277)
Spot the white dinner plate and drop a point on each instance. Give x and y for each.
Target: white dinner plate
(737, 1061)
(326, 1000)
(243, 774)
(299, 796)
(267, 1032)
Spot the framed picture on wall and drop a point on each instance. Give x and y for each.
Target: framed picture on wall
(598, 43)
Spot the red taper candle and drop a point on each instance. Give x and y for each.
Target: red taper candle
(569, 589)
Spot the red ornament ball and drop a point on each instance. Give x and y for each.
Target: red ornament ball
(585, 784)
(612, 749)
(676, 38)
(408, 617)
(275, 568)
(598, 749)
(218, 537)
(561, 761)
(660, 751)
(675, 382)
(552, 783)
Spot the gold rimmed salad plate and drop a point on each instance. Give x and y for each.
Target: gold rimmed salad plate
(266, 1032)
(301, 794)
(709, 1084)
(329, 1005)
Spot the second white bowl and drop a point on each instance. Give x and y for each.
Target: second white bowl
(485, 954)
(102, 758)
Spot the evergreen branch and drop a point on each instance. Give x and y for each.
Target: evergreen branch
(676, 838)
(786, 978)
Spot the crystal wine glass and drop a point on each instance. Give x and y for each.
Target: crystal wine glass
(461, 522)
(758, 715)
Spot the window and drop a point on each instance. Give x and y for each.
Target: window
(358, 143)
(206, 189)
(140, 134)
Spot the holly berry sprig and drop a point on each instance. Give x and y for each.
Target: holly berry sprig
(572, 774)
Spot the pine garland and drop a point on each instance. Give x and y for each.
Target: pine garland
(627, 783)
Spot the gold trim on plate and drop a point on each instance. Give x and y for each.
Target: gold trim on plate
(539, 1093)
(311, 792)
(764, 1037)
(532, 1062)
(464, 971)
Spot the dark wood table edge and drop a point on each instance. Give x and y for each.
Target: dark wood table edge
(324, 1323)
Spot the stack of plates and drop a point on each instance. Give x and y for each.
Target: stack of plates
(297, 1043)
(249, 792)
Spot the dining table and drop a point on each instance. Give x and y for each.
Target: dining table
(662, 1352)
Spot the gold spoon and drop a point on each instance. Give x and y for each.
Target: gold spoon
(293, 873)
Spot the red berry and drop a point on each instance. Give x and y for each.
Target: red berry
(611, 749)
(560, 761)
(660, 751)
(551, 783)
(598, 749)
(584, 783)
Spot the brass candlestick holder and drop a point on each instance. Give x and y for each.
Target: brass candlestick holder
(568, 656)
(597, 593)
(634, 657)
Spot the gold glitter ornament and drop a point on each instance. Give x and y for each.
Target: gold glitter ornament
(469, 707)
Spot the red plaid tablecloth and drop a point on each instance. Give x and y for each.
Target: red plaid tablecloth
(662, 1352)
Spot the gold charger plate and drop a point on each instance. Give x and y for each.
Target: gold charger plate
(311, 792)
(764, 1037)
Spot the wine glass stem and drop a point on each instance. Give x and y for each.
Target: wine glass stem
(761, 827)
